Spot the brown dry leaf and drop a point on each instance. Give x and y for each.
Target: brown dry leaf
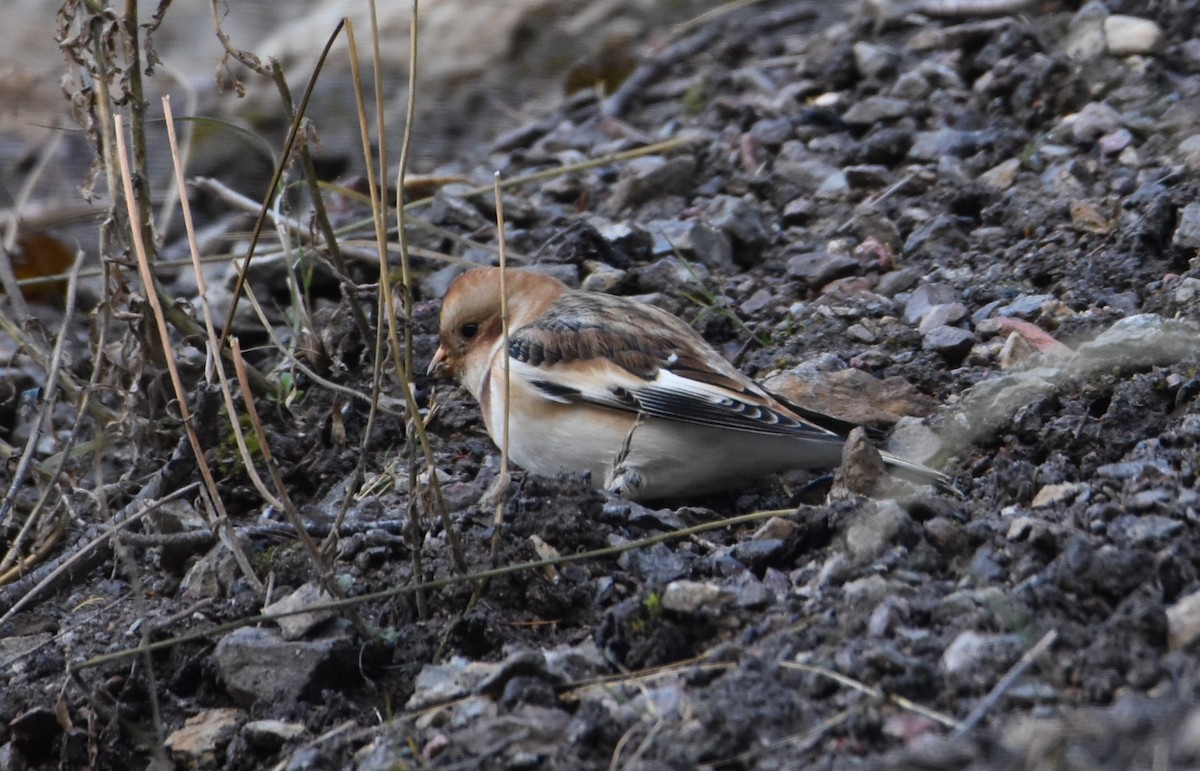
(39, 255)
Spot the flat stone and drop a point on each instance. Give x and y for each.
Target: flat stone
(1142, 341)
(932, 145)
(926, 297)
(951, 342)
(652, 176)
(1002, 175)
(456, 678)
(295, 626)
(203, 737)
(1153, 529)
(255, 663)
(772, 132)
(1050, 495)
(943, 314)
(874, 109)
(817, 269)
(1026, 306)
(693, 240)
(693, 597)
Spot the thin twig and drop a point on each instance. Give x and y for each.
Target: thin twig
(41, 421)
(858, 685)
(185, 412)
(214, 349)
(83, 560)
(982, 708)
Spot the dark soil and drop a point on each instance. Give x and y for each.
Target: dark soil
(843, 170)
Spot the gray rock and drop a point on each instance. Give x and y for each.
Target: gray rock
(868, 176)
(1153, 529)
(1187, 232)
(628, 236)
(798, 211)
(693, 240)
(941, 315)
(255, 663)
(876, 530)
(933, 145)
(1183, 622)
(874, 109)
(874, 61)
(810, 173)
(911, 85)
(757, 554)
(759, 301)
(651, 176)
(951, 342)
(1093, 121)
(833, 187)
(772, 132)
(450, 207)
(819, 268)
(1115, 141)
(454, 679)
(1131, 469)
(925, 297)
(1026, 306)
(1189, 56)
(1085, 37)
(897, 281)
(669, 274)
(298, 624)
(740, 219)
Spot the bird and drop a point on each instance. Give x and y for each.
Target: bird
(623, 390)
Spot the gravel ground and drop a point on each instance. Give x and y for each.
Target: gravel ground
(977, 232)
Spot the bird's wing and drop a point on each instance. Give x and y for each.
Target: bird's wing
(606, 351)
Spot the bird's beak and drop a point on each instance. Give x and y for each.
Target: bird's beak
(437, 365)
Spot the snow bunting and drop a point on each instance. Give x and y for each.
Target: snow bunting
(623, 390)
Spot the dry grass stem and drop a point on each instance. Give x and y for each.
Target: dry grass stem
(155, 304)
(1006, 682)
(39, 424)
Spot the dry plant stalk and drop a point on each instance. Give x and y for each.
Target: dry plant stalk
(224, 527)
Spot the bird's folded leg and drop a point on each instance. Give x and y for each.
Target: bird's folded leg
(625, 480)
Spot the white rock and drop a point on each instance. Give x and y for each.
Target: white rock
(1128, 35)
(1183, 622)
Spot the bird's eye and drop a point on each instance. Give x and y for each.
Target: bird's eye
(469, 330)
